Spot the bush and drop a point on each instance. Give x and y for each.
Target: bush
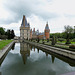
(50, 39)
(47, 40)
(68, 42)
(43, 42)
(72, 46)
(73, 40)
(3, 37)
(61, 39)
(53, 40)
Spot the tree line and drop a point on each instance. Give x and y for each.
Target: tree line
(9, 34)
(68, 33)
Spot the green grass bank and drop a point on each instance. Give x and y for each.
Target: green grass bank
(4, 43)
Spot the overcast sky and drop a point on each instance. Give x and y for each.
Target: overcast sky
(58, 13)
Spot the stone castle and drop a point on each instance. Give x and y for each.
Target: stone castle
(27, 33)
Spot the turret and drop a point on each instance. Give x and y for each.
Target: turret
(47, 31)
(31, 34)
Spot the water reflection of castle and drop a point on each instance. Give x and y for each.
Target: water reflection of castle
(25, 51)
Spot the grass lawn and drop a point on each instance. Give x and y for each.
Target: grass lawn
(65, 42)
(3, 43)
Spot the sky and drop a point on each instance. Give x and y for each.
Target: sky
(57, 13)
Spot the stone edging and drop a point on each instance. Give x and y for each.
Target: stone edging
(60, 51)
(2, 52)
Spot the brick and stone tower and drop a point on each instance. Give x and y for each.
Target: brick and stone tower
(47, 31)
(31, 34)
(24, 29)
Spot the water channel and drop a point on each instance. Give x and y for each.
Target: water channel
(25, 59)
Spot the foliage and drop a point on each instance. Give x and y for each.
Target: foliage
(9, 34)
(47, 40)
(2, 31)
(61, 39)
(38, 40)
(73, 40)
(68, 31)
(53, 40)
(12, 34)
(3, 36)
(72, 46)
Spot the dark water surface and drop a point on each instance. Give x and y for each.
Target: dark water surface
(24, 59)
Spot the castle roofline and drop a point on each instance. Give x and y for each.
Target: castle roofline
(47, 27)
(24, 22)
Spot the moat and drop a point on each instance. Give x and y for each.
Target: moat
(24, 59)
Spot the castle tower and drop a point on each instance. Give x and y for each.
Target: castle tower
(24, 29)
(31, 34)
(47, 31)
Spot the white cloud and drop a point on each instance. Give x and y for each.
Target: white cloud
(57, 12)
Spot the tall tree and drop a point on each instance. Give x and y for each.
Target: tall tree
(2, 31)
(12, 34)
(9, 34)
(68, 31)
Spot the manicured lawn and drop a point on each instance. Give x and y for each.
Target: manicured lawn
(3, 43)
(65, 42)
(72, 42)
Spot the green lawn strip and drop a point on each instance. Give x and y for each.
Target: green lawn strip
(64, 47)
(59, 46)
(63, 42)
(3, 43)
(72, 42)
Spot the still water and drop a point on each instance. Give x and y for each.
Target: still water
(24, 59)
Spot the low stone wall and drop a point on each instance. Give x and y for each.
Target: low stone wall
(60, 51)
(5, 50)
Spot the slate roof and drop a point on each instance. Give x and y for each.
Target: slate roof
(47, 27)
(41, 33)
(25, 21)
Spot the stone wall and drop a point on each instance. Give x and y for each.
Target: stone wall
(59, 51)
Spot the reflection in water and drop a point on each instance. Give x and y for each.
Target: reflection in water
(46, 54)
(30, 47)
(38, 50)
(25, 51)
(53, 58)
(34, 49)
(13, 46)
(0, 73)
(37, 63)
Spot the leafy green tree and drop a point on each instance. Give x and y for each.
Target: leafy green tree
(67, 32)
(9, 34)
(12, 34)
(53, 40)
(2, 31)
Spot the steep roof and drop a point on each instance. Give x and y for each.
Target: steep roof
(47, 27)
(24, 22)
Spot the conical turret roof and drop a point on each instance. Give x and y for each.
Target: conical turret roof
(24, 22)
(47, 27)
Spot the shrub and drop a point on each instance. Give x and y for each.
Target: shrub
(72, 46)
(47, 40)
(73, 40)
(3, 37)
(61, 39)
(50, 39)
(53, 40)
(43, 42)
